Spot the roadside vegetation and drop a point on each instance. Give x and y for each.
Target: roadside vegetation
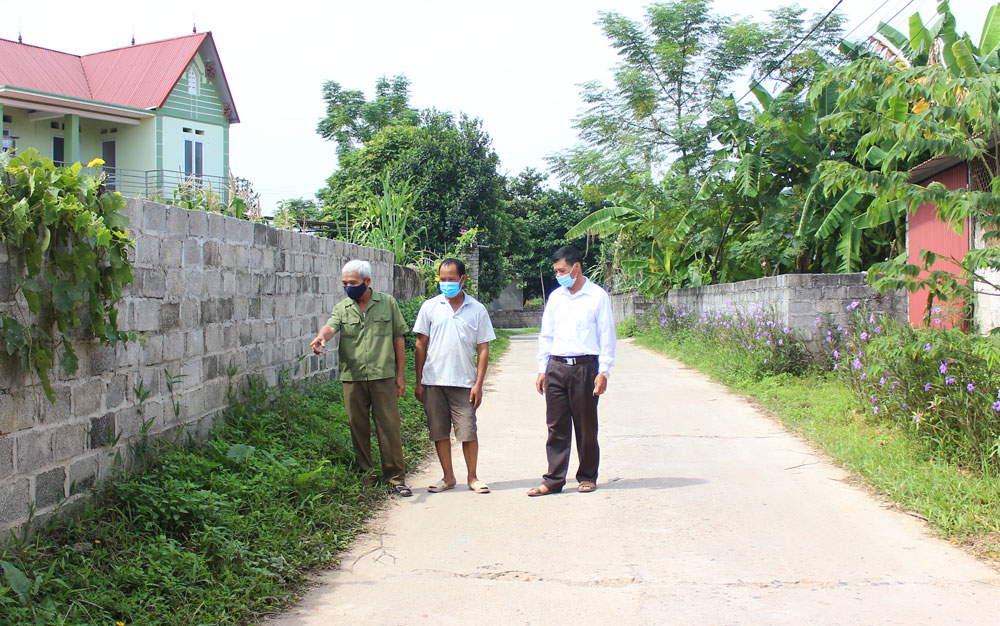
(918, 423)
(220, 533)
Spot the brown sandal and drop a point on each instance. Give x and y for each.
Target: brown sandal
(586, 487)
(541, 490)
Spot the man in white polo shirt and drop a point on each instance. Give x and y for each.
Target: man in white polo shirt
(453, 346)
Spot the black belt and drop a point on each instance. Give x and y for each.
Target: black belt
(574, 360)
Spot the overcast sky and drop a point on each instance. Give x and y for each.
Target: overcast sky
(515, 64)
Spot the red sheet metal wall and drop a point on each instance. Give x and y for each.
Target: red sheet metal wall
(928, 232)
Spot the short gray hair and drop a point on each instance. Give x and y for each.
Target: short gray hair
(356, 266)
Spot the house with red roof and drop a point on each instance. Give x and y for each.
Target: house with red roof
(157, 113)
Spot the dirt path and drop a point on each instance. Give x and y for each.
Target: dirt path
(706, 513)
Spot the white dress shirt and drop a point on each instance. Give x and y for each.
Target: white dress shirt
(452, 340)
(578, 324)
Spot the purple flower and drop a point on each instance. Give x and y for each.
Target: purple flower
(996, 405)
(836, 357)
(816, 322)
(765, 360)
(904, 406)
(875, 410)
(937, 321)
(927, 386)
(863, 375)
(781, 342)
(878, 329)
(881, 381)
(836, 366)
(970, 387)
(864, 336)
(839, 327)
(916, 418)
(933, 404)
(949, 380)
(856, 364)
(785, 330)
(853, 305)
(927, 346)
(944, 367)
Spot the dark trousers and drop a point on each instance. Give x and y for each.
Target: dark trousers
(376, 400)
(570, 404)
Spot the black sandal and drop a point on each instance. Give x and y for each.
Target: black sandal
(402, 490)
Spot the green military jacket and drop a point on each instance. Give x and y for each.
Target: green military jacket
(366, 351)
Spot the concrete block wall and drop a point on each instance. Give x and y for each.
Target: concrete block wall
(797, 298)
(525, 318)
(210, 293)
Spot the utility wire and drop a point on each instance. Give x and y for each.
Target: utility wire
(756, 82)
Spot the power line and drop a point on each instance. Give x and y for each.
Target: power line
(756, 82)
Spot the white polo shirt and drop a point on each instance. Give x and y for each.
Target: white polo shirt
(453, 337)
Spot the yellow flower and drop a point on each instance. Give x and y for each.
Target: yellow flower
(119, 623)
(125, 232)
(97, 541)
(95, 162)
(118, 193)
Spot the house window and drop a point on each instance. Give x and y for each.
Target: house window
(194, 158)
(192, 82)
(58, 150)
(8, 141)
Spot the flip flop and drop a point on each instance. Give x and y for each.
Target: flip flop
(479, 486)
(586, 487)
(440, 486)
(537, 491)
(402, 490)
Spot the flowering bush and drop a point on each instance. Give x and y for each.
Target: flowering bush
(942, 384)
(758, 343)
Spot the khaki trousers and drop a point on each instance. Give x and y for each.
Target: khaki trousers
(376, 400)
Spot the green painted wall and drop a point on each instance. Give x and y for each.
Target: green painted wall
(174, 136)
(205, 106)
(134, 143)
(37, 135)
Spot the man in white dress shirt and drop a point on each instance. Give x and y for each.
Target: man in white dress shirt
(576, 349)
(453, 348)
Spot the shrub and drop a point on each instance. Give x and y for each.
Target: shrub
(943, 385)
(758, 343)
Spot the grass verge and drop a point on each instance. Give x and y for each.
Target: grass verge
(963, 505)
(215, 534)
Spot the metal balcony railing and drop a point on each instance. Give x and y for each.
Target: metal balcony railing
(161, 185)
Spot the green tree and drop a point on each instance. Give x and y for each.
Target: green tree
(541, 218)
(456, 186)
(713, 211)
(352, 121)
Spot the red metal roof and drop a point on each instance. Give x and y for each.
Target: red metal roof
(140, 76)
(37, 68)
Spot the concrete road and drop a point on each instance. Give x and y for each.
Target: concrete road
(707, 512)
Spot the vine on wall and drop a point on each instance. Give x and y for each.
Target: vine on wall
(67, 245)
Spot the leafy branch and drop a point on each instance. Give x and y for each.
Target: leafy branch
(67, 248)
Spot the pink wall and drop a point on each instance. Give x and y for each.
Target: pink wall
(928, 232)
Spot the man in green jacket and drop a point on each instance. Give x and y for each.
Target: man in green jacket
(372, 360)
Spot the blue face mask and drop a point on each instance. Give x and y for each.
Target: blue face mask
(566, 280)
(450, 290)
(355, 292)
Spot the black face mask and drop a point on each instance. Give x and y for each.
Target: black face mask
(355, 292)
